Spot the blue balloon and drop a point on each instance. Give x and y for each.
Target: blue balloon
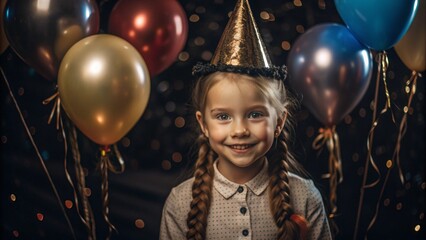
(331, 69)
(379, 24)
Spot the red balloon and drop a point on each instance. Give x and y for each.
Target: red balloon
(157, 29)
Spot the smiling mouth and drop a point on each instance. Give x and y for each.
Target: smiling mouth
(241, 146)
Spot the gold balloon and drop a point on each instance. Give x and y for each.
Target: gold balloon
(3, 40)
(104, 87)
(412, 47)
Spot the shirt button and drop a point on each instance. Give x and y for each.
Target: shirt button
(240, 189)
(245, 232)
(243, 210)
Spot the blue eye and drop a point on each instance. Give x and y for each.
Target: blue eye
(255, 115)
(223, 116)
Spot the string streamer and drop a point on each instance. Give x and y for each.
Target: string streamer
(330, 138)
(382, 66)
(40, 158)
(55, 109)
(88, 218)
(410, 88)
(105, 165)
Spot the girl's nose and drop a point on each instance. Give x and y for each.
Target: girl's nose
(239, 130)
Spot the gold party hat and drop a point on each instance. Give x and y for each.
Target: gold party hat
(241, 48)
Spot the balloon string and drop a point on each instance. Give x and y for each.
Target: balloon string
(381, 68)
(56, 108)
(120, 160)
(323, 135)
(104, 165)
(88, 220)
(38, 154)
(384, 63)
(402, 130)
(411, 90)
(68, 176)
(330, 137)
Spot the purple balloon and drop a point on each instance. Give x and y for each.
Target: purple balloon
(331, 69)
(41, 32)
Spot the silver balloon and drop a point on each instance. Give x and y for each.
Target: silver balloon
(331, 69)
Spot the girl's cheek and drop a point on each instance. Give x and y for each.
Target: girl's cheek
(265, 130)
(217, 131)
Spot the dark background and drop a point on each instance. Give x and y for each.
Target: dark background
(157, 152)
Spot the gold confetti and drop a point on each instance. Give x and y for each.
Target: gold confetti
(180, 122)
(166, 165)
(417, 228)
(68, 204)
(40, 217)
(177, 157)
(285, 45)
(139, 223)
(389, 163)
(13, 197)
(194, 18)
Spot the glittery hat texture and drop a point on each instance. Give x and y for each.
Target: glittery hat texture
(241, 49)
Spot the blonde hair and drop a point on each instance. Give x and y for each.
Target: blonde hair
(280, 160)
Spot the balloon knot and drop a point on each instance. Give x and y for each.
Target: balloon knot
(326, 132)
(104, 150)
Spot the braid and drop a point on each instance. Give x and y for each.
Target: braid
(282, 211)
(201, 191)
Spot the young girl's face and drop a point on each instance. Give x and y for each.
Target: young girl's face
(240, 125)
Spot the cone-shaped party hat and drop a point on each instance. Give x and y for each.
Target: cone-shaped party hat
(241, 48)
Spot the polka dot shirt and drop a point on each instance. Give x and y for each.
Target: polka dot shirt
(241, 211)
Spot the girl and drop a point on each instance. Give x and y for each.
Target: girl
(243, 187)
